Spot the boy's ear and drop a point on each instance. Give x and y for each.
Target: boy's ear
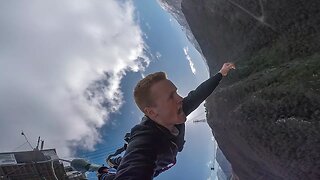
(150, 112)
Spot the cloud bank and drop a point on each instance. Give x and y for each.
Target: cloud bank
(191, 64)
(61, 64)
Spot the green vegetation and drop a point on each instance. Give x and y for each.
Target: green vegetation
(275, 101)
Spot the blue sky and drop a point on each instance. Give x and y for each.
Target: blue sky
(67, 73)
(164, 35)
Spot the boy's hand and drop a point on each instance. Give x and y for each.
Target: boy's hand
(226, 68)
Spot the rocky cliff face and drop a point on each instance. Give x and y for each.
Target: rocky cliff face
(266, 114)
(174, 8)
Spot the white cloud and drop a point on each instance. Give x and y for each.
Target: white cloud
(186, 50)
(61, 64)
(158, 55)
(213, 139)
(197, 114)
(213, 173)
(210, 164)
(148, 25)
(145, 35)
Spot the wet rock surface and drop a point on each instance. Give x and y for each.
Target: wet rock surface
(265, 115)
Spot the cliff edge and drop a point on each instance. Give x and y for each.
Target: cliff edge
(265, 115)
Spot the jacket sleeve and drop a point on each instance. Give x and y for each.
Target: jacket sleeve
(197, 96)
(138, 162)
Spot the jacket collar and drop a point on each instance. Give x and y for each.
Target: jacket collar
(148, 121)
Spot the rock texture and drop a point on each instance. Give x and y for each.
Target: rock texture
(266, 114)
(174, 8)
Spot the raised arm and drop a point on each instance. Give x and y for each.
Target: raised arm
(197, 96)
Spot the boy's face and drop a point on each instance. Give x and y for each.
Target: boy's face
(167, 103)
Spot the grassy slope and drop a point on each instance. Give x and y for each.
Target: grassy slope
(274, 102)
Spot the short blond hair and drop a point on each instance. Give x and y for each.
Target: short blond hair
(142, 95)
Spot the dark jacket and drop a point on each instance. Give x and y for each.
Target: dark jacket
(152, 149)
